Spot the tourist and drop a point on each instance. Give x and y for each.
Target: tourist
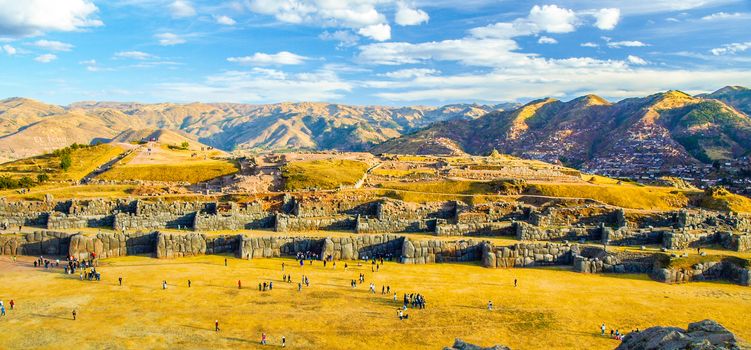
(188, 283)
(225, 261)
(216, 326)
(299, 287)
(164, 284)
(271, 285)
(74, 314)
(602, 329)
(12, 303)
(284, 340)
(2, 310)
(263, 338)
(490, 305)
(345, 266)
(120, 280)
(259, 287)
(394, 296)
(515, 283)
(239, 285)
(282, 266)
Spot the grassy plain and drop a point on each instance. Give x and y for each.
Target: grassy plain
(322, 174)
(551, 308)
(84, 161)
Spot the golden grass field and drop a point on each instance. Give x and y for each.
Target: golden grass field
(551, 309)
(84, 161)
(322, 174)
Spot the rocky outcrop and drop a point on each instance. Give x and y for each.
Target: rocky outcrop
(462, 345)
(703, 335)
(730, 268)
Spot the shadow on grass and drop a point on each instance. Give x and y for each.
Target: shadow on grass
(52, 316)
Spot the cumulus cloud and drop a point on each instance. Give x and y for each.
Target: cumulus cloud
(10, 50)
(731, 49)
(264, 59)
(589, 44)
(407, 16)
(607, 18)
(170, 39)
(20, 18)
(46, 58)
(546, 40)
(52, 45)
(259, 86)
(553, 19)
(636, 60)
(378, 32)
(182, 9)
(344, 37)
(225, 20)
(134, 55)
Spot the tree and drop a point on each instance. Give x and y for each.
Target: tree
(42, 178)
(65, 161)
(25, 182)
(185, 145)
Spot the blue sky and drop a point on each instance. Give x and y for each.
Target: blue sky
(388, 52)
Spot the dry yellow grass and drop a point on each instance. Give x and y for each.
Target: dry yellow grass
(551, 308)
(192, 172)
(322, 174)
(67, 191)
(627, 196)
(84, 161)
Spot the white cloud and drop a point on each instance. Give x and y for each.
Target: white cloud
(36, 17)
(410, 73)
(344, 37)
(225, 20)
(625, 43)
(589, 44)
(731, 49)
(607, 18)
(259, 86)
(407, 16)
(182, 9)
(169, 39)
(469, 51)
(546, 40)
(725, 16)
(10, 50)
(378, 32)
(636, 60)
(46, 58)
(347, 13)
(553, 19)
(52, 45)
(263, 59)
(135, 55)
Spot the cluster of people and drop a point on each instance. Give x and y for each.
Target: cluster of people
(46, 263)
(262, 287)
(615, 333)
(2, 306)
(416, 301)
(91, 275)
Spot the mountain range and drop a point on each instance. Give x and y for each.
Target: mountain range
(29, 127)
(659, 131)
(663, 130)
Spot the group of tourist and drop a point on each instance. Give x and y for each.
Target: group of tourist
(615, 333)
(2, 306)
(416, 301)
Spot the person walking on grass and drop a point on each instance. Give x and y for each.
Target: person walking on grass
(74, 314)
(225, 261)
(602, 329)
(490, 305)
(188, 283)
(263, 338)
(12, 303)
(284, 340)
(120, 280)
(239, 285)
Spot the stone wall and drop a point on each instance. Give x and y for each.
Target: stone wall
(597, 260)
(58, 221)
(375, 225)
(233, 221)
(735, 241)
(160, 208)
(631, 236)
(698, 219)
(577, 216)
(362, 246)
(170, 245)
(125, 221)
(391, 209)
(312, 208)
(35, 243)
(476, 229)
(528, 254)
(492, 212)
(727, 269)
(436, 251)
(687, 239)
(109, 245)
(286, 223)
(99, 207)
(528, 232)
